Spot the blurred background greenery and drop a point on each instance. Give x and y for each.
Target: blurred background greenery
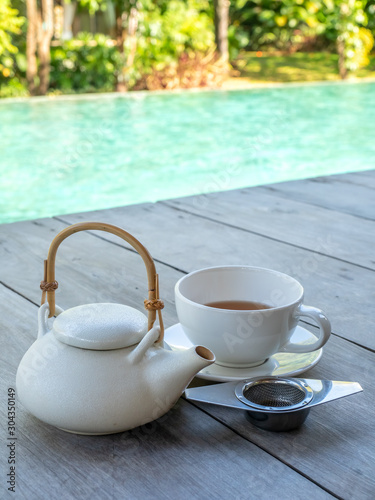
(61, 46)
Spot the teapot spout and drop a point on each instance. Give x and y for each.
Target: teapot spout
(181, 367)
(200, 357)
(165, 375)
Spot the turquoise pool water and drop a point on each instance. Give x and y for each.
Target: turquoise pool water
(68, 155)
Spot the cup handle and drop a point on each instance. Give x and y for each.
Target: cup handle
(322, 321)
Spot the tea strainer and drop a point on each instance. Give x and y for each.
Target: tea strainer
(274, 403)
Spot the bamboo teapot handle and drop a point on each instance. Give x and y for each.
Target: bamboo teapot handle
(49, 284)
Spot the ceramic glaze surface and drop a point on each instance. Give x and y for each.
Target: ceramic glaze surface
(287, 364)
(104, 391)
(245, 338)
(100, 326)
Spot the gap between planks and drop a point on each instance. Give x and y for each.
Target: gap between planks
(290, 466)
(217, 221)
(287, 195)
(130, 249)
(264, 449)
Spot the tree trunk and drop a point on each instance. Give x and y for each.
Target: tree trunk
(31, 43)
(44, 41)
(132, 35)
(69, 11)
(120, 40)
(341, 52)
(221, 27)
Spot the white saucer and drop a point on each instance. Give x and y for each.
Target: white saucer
(279, 364)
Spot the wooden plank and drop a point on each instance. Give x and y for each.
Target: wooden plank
(88, 268)
(184, 452)
(257, 210)
(327, 192)
(343, 291)
(335, 444)
(75, 258)
(363, 178)
(336, 368)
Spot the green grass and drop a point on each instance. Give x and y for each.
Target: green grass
(273, 67)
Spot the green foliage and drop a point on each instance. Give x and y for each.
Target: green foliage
(238, 38)
(280, 24)
(13, 87)
(299, 24)
(173, 45)
(169, 32)
(370, 14)
(296, 67)
(88, 63)
(93, 5)
(10, 25)
(345, 21)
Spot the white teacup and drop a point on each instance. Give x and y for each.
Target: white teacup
(245, 338)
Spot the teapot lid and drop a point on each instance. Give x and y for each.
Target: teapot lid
(100, 326)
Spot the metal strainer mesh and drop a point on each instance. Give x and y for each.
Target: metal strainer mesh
(274, 394)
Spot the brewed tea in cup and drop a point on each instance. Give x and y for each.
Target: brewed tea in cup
(245, 314)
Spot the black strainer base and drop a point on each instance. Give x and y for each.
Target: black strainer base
(277, 422)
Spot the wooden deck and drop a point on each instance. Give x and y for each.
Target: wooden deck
(321, 231)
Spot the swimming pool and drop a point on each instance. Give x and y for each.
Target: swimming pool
(69, 155)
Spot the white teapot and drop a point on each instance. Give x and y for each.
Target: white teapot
(103, 368)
